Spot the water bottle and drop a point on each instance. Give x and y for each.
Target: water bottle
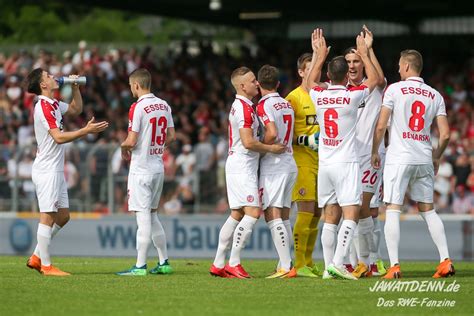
(66, 80)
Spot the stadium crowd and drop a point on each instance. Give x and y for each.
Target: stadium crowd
(198, 89)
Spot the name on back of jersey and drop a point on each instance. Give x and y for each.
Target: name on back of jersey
(156, 107)
(331, 100)
(418, 91)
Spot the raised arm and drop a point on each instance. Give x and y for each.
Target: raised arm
(369, 40)
(320, 52)
(75, 107)
(371, 72)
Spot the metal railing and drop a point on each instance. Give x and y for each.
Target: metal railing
(97, 181)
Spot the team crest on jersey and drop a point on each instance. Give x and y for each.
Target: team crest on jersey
(311, 120)
(250, 198)
(302, 191)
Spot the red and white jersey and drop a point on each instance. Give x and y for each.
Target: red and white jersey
(240, 159)
(367, 117)
(414, 105)
(273, 108)
(48, 114)
(150, 117)
(337, 109)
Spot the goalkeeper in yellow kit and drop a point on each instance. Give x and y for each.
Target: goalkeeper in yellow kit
(305, 153)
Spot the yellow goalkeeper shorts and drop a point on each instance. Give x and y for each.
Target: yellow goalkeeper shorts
(306, 186)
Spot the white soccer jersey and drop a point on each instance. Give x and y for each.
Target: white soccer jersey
(367, 117)
(48, 114)
(337, 116)
(273, 108)
(150, 117)
(240, 159)
(414, 105)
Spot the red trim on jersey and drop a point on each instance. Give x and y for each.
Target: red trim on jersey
(130, 115)
(358, 88)
(231, 141)
(48, 111)
(318, 89)
(248, 117)
(261, 112)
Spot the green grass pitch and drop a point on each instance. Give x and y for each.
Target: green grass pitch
(93, 289)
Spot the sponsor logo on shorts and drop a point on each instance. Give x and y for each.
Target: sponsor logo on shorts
(250, 198)
(302, 191)
(311, 120)
(56, 204)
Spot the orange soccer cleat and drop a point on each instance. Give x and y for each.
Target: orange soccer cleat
(34, 262)
(393, 273)
(52, 271)
(444, 269)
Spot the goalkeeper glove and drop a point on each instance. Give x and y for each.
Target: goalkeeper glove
(311, 141)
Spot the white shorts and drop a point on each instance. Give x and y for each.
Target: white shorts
(276, 189)
(51, 190)
(144, 191)
(417, 179)
(339, 183)
(370, 177)
(242, 190)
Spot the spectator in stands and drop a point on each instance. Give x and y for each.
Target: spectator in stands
(463, 202)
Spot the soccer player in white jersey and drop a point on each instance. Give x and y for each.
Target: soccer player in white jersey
(411, 162)
(241, 175)
(277, 172)
(48, 167)
(339, 174)
(366, 119)
(150, 129)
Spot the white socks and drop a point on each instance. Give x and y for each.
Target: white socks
(143, 237)
(392, 234)
(344, 239)
(44, 239)
(159, 238)
(375, 254)
(287, 224)
(436, 228)
(366, 242)
(328, 240)
(281, 242)
(241, 234)
(225, 238)
(54, 231)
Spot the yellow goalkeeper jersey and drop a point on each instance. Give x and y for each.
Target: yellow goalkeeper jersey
(305, 124)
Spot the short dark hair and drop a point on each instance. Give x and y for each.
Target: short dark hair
(268, 77)
(338, 69)
(33, 81)
(349, 51)
(414, 58)
(302, 60)
(142, 77)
